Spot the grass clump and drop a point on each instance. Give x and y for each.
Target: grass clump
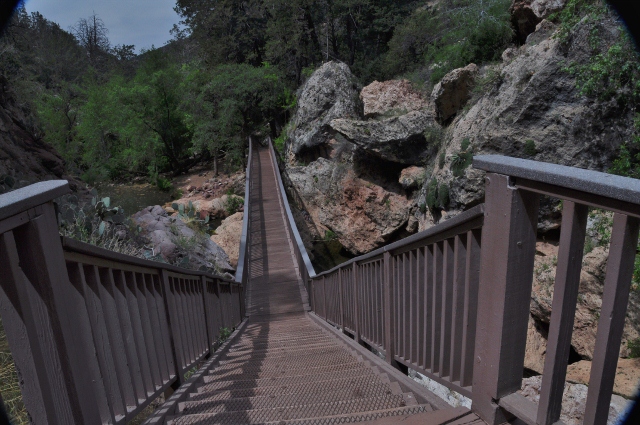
(530, 148)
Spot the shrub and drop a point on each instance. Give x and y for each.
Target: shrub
(443, 196)
(432, 193)
(164, 184)
(530, 148)
(233, 204)
(433, 135)
(441, 160)
(634, 348)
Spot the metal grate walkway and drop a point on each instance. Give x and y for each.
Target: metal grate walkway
(284, 368)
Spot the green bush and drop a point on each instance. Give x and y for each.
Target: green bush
(443, 196)
(530, 148)
(634, 348)
(164, 184)
(441, 160)
(233, 204)
(432, 193)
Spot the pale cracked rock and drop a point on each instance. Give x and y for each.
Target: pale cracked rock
(173, 240)
(363, 216)
(453, 91)
(589, 304)
(626, 381)
(398, 139)
(526, 14)
(215, 208)
(228, 236)
(412, 177)
(331, 92)
(574, 398)
(394, 97)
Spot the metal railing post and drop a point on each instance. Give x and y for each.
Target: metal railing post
(174, 330)
(506, 275)
(388, 308)
(356, 303)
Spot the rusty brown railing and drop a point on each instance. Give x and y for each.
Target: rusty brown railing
(453, 302)
(95, 335)
(513, 187)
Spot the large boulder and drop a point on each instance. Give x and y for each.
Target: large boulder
(589, 304)
(574, 400)
(530, 108)
(626, 381)
(331, 92)
(389, 98)
(228, 236)
(399, 139)
(453, 92)
(527, 14)
(171, 239)
(362, 214)
(221, 207)
(412, 177)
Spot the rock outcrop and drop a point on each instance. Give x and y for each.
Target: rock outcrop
(399, 139)
(171, 238)
(228, 236)
(532, 109)
(527, 14)
(390, 98)
(221, 207)
(589, 301)
(412, 177)
(362, 215)
(574, 401)
(453, 92)
(331, 92)
(627, 375)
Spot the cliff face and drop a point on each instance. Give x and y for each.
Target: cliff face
(24, 157)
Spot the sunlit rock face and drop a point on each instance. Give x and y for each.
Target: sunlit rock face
(331, 92)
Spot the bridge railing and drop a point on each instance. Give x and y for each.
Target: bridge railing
(513, 188)
(96, 335)
(453, 302)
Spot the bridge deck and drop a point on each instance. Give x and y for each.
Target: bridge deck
(286, 369)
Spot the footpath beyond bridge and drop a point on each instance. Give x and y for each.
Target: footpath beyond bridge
(98, 336)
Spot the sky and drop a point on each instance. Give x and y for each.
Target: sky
(142, 23)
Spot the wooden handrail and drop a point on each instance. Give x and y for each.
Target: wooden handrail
(99, 335)
(419, 300)
(513, 187)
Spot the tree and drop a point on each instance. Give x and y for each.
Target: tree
(92, 35)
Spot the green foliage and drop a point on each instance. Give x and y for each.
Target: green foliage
(634, 348)
(575, 11)
(433, 135)
(443, 196)
(448, 35)
(164, 184)
(432, 193)
(329, 235)
(233, 204)
(463, 159)
(441, 160)
(225, 333)
(614, 73)
(530, 148)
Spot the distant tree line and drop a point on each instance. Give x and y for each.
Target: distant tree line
(232, 70)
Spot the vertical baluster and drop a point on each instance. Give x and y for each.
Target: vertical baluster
(388, 309)
(175, 332)
(403, 271)
(413, 315)
(138, 337)
(91, 281)
(356, 302)
(143, 306)
(133, 357)
(186, 319)
(459, 278)
(436, 307)
(420, 307)
(446, 318)
(380, 294)
(617, 283)
(472, 276)
(428, 302)
(155, 303)
(105, 288)
(163, 327)
(511, 217)
(565, 297)
(207, 310)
